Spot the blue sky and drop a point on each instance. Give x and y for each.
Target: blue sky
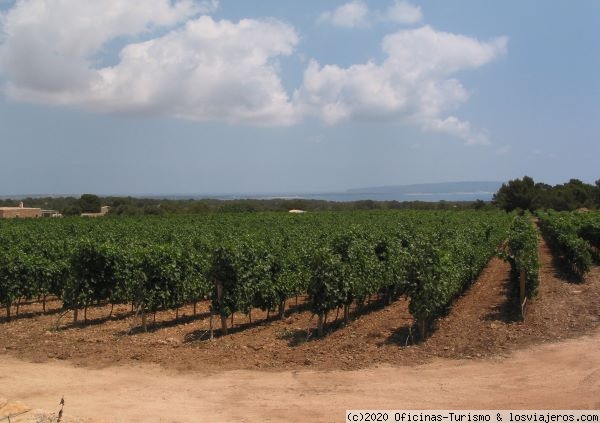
(181, 97)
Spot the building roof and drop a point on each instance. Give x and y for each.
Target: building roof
(18, 208)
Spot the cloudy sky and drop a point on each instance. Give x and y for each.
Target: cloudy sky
(206, 96)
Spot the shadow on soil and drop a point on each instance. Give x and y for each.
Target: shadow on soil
(153, 326)
(403, 336)
(296, 337)
(204, 334)
(28, 315)
(509, 311)
(96, 321)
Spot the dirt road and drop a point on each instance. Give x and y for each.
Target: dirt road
(562, 375)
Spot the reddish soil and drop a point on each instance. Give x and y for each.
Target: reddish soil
(147, 393)
(483, 322)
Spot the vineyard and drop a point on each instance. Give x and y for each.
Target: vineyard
(574, 236)
(233, 264)
(522, 253)
(243, 262)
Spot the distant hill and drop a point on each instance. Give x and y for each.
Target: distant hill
(452, 188)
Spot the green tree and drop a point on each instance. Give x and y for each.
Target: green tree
(479, 204)
(517, 194)
(89, 203)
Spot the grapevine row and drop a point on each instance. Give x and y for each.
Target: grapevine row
(562, 231)
(522, 253)
(244, 262)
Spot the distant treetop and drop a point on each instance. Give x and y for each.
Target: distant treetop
(526, 194)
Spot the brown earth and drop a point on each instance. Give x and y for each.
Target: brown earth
(563, 375)
(483, 323)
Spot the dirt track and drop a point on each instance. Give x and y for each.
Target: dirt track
(563, 375)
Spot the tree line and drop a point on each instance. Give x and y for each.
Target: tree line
(526, 194)
(133, 206)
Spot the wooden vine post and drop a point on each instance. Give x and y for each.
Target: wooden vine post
(522, 292)
(320, 323)
(219, 286)
(346, 313)
(281, 309)
(422, 323)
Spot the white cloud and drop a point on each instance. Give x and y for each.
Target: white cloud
(178, 62)
(209, 70)
(204, 70)
(59, 36)
(404, 13)
(459, 129)
(354, 14)
(413, 85)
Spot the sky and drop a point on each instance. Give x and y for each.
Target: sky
(143, 97)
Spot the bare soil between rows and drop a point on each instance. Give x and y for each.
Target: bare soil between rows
(484, 322)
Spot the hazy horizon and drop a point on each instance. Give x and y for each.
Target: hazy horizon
(356, 191)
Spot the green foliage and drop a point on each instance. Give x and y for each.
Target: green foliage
(247, 261)
(448, 259)
(89, 203)
(243, 275)
(589, 229)
(585, 225)
(525, 194)
(163, 283)
(9, 280)
(327, 285)
(393, 257)
(522, 253)
(130, 206)
(516, 194)
(563, 234)
(26, 275)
